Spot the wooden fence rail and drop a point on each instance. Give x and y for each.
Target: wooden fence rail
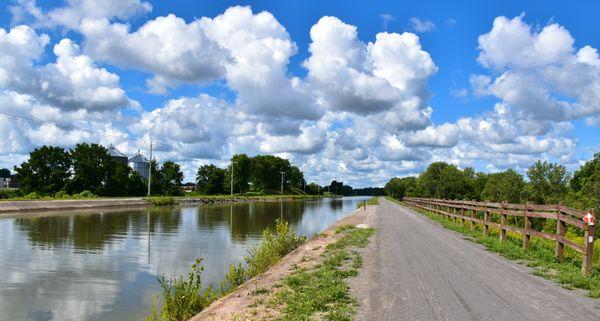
(468, 210)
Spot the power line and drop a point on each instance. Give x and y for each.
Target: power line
(33, 121)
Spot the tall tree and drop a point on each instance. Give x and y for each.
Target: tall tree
(547, 182)
(172, 177)
(585, 184)
(4, 173)
(92, 167)
(210, 179)
(505, 186)
(46, 172)
(428, 181)
(241, 173)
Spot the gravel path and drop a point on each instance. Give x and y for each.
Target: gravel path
(416, 270)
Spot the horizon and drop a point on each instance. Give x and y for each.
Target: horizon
(357, 94)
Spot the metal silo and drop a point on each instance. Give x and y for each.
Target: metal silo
(140, 164)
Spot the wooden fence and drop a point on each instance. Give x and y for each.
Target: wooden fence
(469, 210)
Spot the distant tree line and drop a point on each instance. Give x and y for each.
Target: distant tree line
(258, 174)
(545, 183)
(52, 171)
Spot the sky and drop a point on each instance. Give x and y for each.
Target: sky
(358, 91)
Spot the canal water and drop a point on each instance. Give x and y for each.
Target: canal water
(104, 266)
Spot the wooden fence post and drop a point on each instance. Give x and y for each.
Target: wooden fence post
(560, 231)
(454, 212)
(486, 217)
(588, 243)
(502, 223)
(526, 235)
(472, 219)
(462, 214)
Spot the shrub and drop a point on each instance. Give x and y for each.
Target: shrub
(183, 298)
(257, 193)
(161, 200)
(61, 194)
(32, 196)
(86, 194)
(272, 248)
(9, 193)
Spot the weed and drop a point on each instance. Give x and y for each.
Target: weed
(322, 292)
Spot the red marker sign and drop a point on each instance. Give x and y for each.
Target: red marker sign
(589, 219)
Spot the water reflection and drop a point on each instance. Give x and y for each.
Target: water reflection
(103, 266)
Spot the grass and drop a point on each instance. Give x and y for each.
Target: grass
(182, 298)
(370, 201)
(321, 293)
(539, 256)
(161, 200)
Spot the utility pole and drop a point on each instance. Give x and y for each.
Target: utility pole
(282, 173)
(150, 169)
(232, 162)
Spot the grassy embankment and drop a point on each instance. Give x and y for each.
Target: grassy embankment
(321, 292)
(539, 256)
(371, 201)
(182, 298)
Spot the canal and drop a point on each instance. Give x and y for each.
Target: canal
(104, 266)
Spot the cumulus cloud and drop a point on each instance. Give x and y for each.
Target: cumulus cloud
(73, 82)
(168, 47)
(349, 75)
(261, 49)
(541, 73)
(74, 11)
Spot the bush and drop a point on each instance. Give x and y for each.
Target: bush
(272, 248)
(183, 298)
(9, 193)
(85, 194)
(161, 200)
(61, 194)
(32, 196)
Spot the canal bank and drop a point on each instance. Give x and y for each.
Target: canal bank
(260, 297)
(28, 206)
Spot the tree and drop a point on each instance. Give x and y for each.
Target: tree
(241, 173)
(172, 176)
(585, 184)
(295, 177)
(453, 184)
(547, 182)
(210, 179)
(266, 172)
(505, 186)
(427, 183)
(117, 183)
(401, 187)
(314, 189)
(46, 172)
(136, 185)
(4, 173)
(92, 167)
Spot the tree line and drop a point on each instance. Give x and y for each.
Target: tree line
(543, 183)
(55, 171)
(258, 174)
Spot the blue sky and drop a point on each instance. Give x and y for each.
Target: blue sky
(371, 118)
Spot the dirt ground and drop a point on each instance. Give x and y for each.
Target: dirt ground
(249, 301)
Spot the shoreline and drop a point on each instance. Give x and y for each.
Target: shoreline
(241, 302)
(48, 206)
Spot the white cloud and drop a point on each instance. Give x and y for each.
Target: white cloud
(261, 48)
(173, 50)
(388, 74)
(73, 82)
(420, 25)
(386, 19)
(74, 11)
(541, 72)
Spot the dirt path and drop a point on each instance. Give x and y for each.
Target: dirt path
(248, 302)
(416, 270)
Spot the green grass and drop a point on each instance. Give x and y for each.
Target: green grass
(370, 201)
(321, 293)
(161, 200)
(539, 256)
